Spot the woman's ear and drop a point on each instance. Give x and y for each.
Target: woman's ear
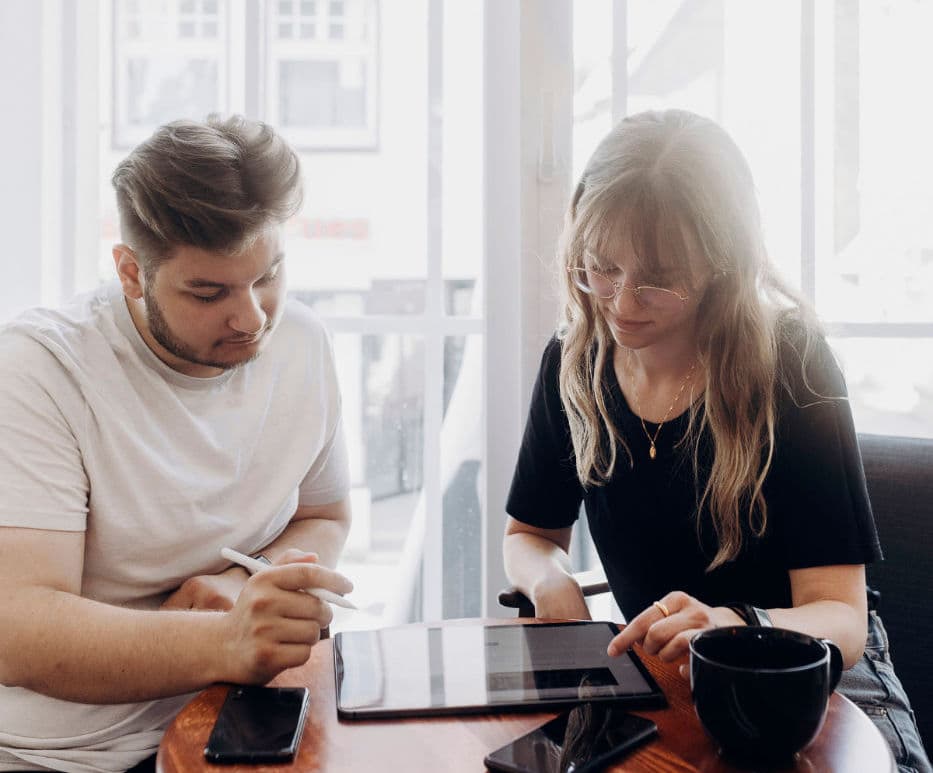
(128, 271)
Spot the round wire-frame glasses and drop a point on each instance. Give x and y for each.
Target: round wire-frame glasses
(594, 283)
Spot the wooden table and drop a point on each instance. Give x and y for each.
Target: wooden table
(848, 741)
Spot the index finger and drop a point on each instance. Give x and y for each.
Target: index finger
(634, 632)
(302, 576)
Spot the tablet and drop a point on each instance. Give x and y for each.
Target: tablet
(468, 668)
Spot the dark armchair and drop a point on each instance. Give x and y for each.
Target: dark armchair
(900, 483)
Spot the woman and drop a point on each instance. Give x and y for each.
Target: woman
(690, 401)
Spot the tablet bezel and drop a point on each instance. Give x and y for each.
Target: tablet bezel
(650, 700)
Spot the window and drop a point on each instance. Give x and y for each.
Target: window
(322, 64)
(169, 61)
(387, 247)
(812, 93)
(418, 237)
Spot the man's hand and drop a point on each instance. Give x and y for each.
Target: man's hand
(273, 625)
(669, 637)
(209, 591)
(220, 591)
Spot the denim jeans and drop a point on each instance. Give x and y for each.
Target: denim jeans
(872, 685)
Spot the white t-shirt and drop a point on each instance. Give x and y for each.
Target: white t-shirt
(160, 470)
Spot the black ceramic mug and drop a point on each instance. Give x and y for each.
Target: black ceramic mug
(762, 693)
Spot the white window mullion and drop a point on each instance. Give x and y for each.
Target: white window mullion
(432, 594)
(407, 324)
(528, 85)
(619, 60)
(807, 150)
(52, 93)
(80, 167)
(880, 329)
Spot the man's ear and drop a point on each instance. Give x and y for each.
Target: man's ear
(129, 271)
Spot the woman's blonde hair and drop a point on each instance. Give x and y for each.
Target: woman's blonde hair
(673, 183)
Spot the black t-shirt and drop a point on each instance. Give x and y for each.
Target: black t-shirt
(644, 522)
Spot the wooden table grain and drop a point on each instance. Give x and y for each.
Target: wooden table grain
(848, 742)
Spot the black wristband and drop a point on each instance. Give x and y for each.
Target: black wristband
(752, 615)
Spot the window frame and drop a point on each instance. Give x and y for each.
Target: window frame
(219, 49)
(318, 49)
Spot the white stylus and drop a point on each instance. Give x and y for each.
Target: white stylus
(253, 566)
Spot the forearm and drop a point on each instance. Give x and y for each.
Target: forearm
(541, 570)
(835, 620)
(76, 649)
(531, 560)
(323, 536)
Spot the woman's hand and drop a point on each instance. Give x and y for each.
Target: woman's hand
(668, 637)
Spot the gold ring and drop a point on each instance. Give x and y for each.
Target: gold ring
(663, 608)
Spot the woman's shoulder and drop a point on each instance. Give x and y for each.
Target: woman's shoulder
(807, 368)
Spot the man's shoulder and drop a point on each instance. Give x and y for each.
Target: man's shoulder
(22, 352)
(63, 327)
(301, 318)
(299, 324)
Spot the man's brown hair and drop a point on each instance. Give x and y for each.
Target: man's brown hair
(214, 185)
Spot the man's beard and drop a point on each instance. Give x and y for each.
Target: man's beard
(159, 328)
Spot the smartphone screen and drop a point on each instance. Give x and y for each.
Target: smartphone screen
(583, 739)
(258, 724)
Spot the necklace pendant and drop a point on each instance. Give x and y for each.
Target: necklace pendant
(652, 452)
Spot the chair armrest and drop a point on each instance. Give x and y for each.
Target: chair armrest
(591, 583)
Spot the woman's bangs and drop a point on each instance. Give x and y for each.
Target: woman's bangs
(653, 245)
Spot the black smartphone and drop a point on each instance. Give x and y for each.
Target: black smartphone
(586, 738)
(258, 724)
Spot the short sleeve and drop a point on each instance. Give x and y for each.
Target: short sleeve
(545, 490)
(818, 505)
(41, 470)
(328, 477)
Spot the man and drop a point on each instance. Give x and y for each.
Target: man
(185, 408)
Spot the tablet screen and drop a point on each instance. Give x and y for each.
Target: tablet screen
(414, 670)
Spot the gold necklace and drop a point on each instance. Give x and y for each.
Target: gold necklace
(653, 451)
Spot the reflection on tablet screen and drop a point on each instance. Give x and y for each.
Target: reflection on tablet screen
(414, 667)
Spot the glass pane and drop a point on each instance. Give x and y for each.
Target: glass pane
(592, 78)
(285, 7)
(461, 470)
(186, 29)
(382, 383)
(877, 194)
(164, 88)
(308, 8)
(285, 31)
(336, 31)
(890, 383)
(209, 29)
(307, 30)
(313, 94)
(735, 61)
(462, 158)
(186, 6)
(209, 7)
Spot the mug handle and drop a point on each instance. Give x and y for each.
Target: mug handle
(835, 663)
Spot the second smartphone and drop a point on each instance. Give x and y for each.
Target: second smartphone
(583, 740)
